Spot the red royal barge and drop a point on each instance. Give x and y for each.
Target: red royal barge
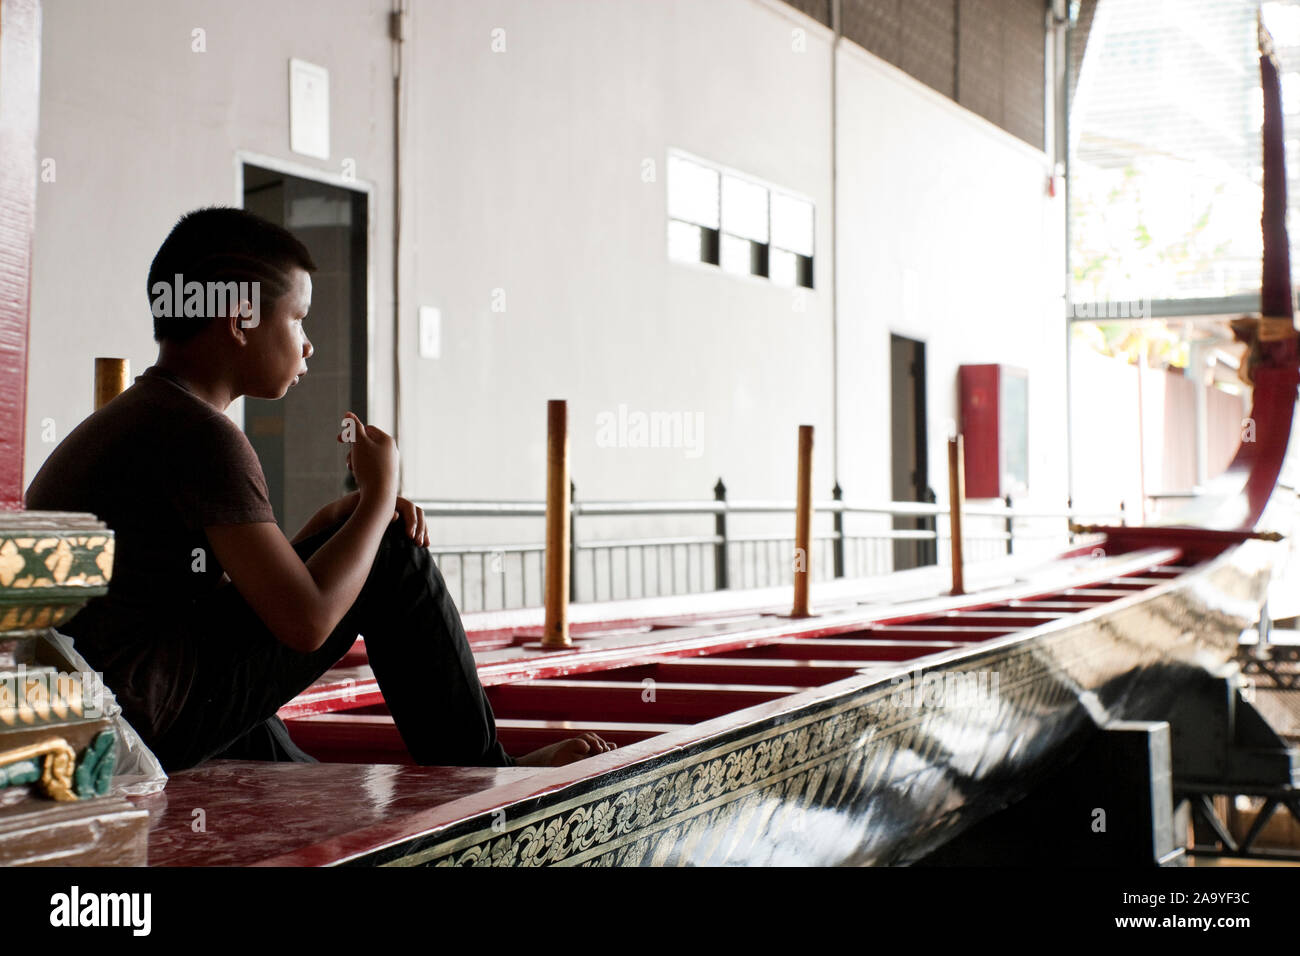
(872, 732)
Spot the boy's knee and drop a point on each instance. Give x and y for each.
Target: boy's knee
(395, 535)
(398, 542)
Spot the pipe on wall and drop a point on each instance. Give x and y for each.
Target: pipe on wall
(397, 32)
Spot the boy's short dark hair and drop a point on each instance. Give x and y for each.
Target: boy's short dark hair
(223, 244)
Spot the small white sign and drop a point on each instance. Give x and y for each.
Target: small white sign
(430, 332)
(309, 109)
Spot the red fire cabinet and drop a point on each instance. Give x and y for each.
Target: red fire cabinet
(995, 429)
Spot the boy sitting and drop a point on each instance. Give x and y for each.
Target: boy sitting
(213, 619)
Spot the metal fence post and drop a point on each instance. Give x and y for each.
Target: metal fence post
(838, 494)
(928, 551)
(720, 576)
(573, 543)
(1010, 523)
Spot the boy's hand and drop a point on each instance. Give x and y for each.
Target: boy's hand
(413, 516)
(372, 459)
(406, 510)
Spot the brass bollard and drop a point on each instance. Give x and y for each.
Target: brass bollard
(803, 524)
(111, 379)
(555, 633)
(956, 502)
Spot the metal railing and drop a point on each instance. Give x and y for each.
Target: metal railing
(849, 540)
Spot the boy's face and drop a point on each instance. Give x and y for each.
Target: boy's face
(279, 346)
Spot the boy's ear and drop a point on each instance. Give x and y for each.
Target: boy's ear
(244, 314)
(235, 322)
(248, 313)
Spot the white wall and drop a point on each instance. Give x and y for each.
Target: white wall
(524, 173)
(948, 236)
(527, 177)
(142, 129)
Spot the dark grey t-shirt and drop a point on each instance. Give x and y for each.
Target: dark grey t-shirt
(157, 465)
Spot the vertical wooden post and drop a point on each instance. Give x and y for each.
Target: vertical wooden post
(556, 630)
(956, 502)
(111, 375)
(803, 524)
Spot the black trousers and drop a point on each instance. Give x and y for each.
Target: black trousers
(417, 650)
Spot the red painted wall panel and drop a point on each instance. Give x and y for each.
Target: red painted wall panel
(19, 105)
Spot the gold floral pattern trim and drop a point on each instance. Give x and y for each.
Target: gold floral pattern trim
(777, 782)
(48, 561)
(32, 617)
(770, 794)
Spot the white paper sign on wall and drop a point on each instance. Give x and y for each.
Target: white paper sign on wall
(309, 109)
(430, 332)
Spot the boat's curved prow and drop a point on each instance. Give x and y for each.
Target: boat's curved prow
(1271, 414)
(1231, 506)
(1235, 500)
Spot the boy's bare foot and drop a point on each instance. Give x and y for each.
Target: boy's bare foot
(566, 751)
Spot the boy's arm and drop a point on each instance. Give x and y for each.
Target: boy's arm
(301, 603)
(334, 512)
(331, 514)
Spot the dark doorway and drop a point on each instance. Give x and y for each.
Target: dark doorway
(295, 436)
(910, 466)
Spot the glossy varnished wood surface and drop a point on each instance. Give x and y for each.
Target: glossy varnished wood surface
(241, 813)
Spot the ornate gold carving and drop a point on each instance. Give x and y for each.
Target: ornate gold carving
(59, 763)
(1276, 329)
(1254, 331)
(44, 697)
